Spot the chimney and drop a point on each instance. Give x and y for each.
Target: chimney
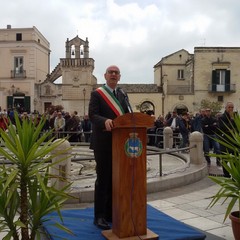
(9, 26)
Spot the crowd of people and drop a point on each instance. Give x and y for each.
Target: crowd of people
(63, 124)
(210, 125)
(79, 129)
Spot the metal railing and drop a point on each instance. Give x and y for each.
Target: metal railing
(160, 152)
(18, 74)
(151, 150)
(222, 88)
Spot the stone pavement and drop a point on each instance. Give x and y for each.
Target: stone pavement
(189, 203)
(183, 192)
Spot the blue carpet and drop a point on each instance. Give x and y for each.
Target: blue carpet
(80, 222)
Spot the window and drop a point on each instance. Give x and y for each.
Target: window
(18, 70)
(180, 74)
(18, 37)
(18, 65)
(220, 98)
(220, 76)
(221, 80)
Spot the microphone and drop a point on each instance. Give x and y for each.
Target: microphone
(126, 99)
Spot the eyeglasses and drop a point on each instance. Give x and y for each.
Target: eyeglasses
(113, 71)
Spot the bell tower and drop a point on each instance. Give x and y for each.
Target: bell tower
(77, 75)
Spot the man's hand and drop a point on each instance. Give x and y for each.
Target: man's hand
(109, 124)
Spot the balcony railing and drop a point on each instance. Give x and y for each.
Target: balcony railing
(18, 74)
(76, 62)
(222, 88)
(179, 89)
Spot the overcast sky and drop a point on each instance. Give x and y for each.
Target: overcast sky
(134, 35)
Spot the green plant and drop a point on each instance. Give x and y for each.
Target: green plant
(229, 187)
(25, 193)
(214, 106)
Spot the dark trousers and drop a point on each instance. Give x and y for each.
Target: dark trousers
(73, 137)
(208, 142)
(87, 136)
(103, 184)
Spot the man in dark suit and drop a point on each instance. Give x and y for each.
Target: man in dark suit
(226, 125)
(106, 103)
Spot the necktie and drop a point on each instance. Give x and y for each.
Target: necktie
(114, 93)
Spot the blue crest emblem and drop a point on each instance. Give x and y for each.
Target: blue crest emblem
(133, 146)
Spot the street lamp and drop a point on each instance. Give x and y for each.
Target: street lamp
(84, 94)
(163, 92)
(163, 98)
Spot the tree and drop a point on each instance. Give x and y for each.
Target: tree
(214, 106)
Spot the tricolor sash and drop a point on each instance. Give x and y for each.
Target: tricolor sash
(111, 100)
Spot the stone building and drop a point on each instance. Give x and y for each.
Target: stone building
(181, 79)
(210, 73)
(24, 58)
(76, 70)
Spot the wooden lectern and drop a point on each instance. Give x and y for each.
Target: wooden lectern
(129, 213)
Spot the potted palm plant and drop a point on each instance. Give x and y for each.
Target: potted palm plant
(230, 187)
(25, 193)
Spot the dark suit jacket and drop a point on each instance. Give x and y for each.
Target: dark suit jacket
(99, 112)
(226, 124)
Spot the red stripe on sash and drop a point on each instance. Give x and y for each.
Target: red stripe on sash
(108, 102)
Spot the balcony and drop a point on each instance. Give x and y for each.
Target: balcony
(18, 74)
(179, 89)
(221, 88)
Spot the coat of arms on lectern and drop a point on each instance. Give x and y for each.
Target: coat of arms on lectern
(133, 145)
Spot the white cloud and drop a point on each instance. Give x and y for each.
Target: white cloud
(133, 34)
(199, 23)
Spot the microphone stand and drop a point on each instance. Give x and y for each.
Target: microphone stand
(126, 100)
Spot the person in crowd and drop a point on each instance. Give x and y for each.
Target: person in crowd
(11, 115)
(152, 133)
(106, 103)
(227, 124)
(209, 128)
(59, 124)
(159, 124)
(76, 116)
(184, 129)
(24, 116)
(67, 117)
(72, 126)
(197, 122)
(52, 120)
(168, 116)
(3, 121)
(173, 122)
(86, 128)
(46, 126)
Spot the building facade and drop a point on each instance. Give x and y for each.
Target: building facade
(76, 71)
(186, 79)
(24, 58)
(181, 79)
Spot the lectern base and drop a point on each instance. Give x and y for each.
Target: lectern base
(108, 234)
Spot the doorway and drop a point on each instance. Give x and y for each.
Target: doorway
(19, 102)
